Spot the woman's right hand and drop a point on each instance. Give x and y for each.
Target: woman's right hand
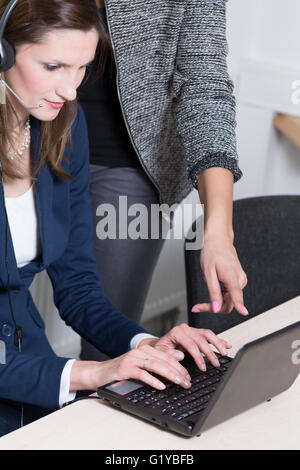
(89, 375)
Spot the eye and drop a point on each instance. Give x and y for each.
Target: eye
(51, 68)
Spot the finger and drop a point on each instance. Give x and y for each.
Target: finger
(214, 289)
(189, 345)
(132, 367)
(203, 340)
(206, 349)
(220, 344)
(236, 294)
(228, 302)
(164, 369)
(167, 358)
(244, 281)
(176, 353)
(212, 338)
(206, 307)
(144, 376)
(227, 305)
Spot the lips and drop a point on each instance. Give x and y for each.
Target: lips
(56, 102)
(55, 105)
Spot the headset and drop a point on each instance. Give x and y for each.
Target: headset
(8, 53)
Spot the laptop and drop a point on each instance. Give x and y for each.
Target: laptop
(260, 370)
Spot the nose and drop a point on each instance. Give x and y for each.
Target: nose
(68, 93)
(67, 88)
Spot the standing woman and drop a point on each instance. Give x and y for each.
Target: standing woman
(46, 223)
(161, 120)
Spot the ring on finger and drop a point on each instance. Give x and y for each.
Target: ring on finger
(145, 362)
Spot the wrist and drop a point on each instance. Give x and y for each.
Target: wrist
(216, 232)
(218, 238)
(83, 375)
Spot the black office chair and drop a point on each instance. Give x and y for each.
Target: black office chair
(267, 241)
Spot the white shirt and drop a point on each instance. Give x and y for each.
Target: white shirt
(24, 228)
(23, 224)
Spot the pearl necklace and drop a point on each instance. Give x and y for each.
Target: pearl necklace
(26, 143)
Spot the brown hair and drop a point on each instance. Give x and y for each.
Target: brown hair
(29, 22)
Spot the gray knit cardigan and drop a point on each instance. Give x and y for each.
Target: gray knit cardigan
(174, 88)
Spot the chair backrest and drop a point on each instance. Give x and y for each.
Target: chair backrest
(267, 241)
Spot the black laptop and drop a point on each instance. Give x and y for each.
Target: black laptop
(261, 370)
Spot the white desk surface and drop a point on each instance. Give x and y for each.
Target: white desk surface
(89, 424)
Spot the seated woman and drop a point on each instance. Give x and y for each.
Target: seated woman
(46, 223)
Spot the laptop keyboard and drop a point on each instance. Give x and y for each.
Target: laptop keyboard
(180, 403)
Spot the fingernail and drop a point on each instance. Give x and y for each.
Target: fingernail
(215, 306)
(187, 384)
(245, 311)
(203, 367)
(177, 379)
(216, 363)
(179, 355)
(195, 310)
(188, 378)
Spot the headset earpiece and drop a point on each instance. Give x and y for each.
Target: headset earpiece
(7, 51)
(8, 58)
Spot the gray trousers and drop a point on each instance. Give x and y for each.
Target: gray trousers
(125, 265)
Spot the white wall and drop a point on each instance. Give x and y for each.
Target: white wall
(264, 38)
(276, 37)
(264, 29)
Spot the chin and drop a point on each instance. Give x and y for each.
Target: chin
(45, 115)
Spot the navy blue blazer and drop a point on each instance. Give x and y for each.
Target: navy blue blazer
(67, 239)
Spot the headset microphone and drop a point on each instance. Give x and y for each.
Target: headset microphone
(7, 52)
(18, 98)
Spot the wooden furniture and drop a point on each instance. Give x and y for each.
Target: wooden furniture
(289, 126)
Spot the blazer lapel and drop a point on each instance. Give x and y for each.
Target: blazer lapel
(11, 267)
(43, 194)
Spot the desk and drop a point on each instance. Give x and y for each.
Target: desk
(89, 424)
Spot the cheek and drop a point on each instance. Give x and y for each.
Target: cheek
(31, 79)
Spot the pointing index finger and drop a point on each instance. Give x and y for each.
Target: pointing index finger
(236, 294)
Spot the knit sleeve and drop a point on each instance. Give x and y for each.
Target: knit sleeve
(206, 107)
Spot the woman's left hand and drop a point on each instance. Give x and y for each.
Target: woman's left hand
(193, 340)
(219, 263)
